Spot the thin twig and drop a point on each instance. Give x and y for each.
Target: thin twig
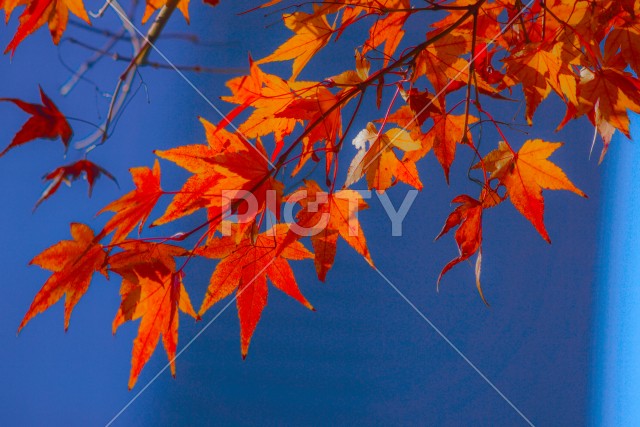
(124, 82)
(89, 63)
(192, 68)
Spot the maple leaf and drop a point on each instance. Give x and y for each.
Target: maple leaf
(447, 132)
(626, 39)
(46, 122)
(268, 95)
(483, 64)
(388, 30)
(37, 12)
(325, 217)
(411, 117)
(151, 289)
(354, 77)
(525, 174)
(134, 207)
(73, 263)
(467, 216)
(245, 267)
(541, 69)
(227, 164)
(379, 163)
(153, 5)
(441, 61)
(320, 110)
(70, 173)
(614, 92)
(312, 33)
(183, 7)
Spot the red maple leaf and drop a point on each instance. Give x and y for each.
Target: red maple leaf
(70, 173)
(46, 122)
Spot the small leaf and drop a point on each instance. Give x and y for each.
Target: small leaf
(134, 208)
(73, 263)
(70, 173)
(46, 122)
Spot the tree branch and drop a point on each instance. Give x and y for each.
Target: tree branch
(123, 85)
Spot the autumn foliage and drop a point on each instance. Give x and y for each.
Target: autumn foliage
(432, 96)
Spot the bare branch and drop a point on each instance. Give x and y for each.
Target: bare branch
(123, 85)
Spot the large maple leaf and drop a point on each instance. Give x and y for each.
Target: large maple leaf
(540, 69)
(37, 13)
(388, 30)
(151, 289)
(73, 263)
(46, 122)
(525, 174)
(134, 207)
(245, 265)
(312, 33)
(442, 63)
(325, 217)
(227, 165)
(269, 95)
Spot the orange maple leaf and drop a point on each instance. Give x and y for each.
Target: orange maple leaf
(183, 7)
(441, 62)
(73, 263)
(227, 164)
(319, 109)
(525, 174)
(151, 289)
(268, 94)
(46, 122)
(134, 207)
(312, 33)
(153, 5)
(388, 30)
(380, 163)
(245, 266)
(326, 218)
(447, 132)
(37, 12)
(540, 69)
(354, 77)
(70, 173)
(613, 92)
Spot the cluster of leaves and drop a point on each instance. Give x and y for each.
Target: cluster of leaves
(474, 55)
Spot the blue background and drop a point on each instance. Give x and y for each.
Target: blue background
(365, 356)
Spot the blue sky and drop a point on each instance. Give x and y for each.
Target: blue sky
(365, 356)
